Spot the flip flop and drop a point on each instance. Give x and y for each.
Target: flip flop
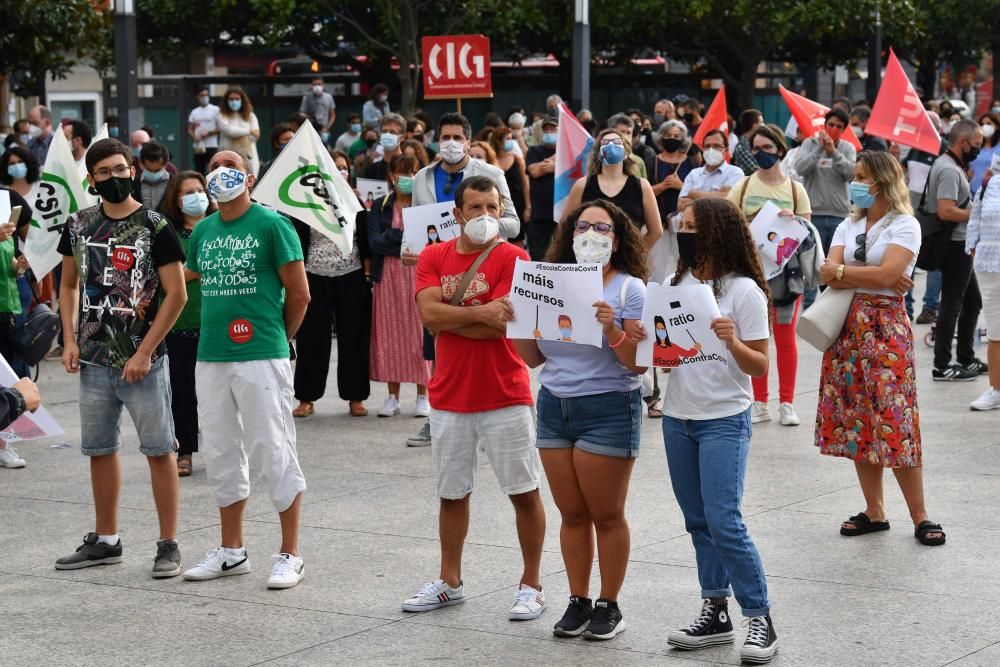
(923, 530)
(863, 525)
(305, 409)
(184, 466)
(358, 409)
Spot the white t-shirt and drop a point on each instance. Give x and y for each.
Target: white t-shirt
(712, 390)
(702, 180)
(204, 118)
(903, 231)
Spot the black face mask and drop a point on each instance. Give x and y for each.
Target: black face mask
(672, 145)
(687, 248)
(370, 142)
(970, 154)
(114, 190)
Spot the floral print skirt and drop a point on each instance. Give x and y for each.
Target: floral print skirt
(868, 388)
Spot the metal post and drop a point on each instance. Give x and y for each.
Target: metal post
(875, 56)
(126, 64)
(580, 98)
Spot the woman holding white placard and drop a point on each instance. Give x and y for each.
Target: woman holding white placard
(589, 415)
(868, 389)
(706, 428)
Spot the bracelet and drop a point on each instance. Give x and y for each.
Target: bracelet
(839, 275)
(621, 340)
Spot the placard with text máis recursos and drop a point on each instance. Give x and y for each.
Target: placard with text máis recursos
(555, 302)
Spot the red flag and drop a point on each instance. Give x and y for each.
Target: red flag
(715, 119)
(898, 114)
(809, 116)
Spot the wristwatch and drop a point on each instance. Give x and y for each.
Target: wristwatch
(22, 406)
(839, 275)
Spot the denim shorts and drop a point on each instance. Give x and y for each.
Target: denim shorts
(103, 394)
(608, 424)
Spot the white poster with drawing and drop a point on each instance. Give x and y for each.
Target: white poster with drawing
(30, 425)
(371, 191)
(555, 302)
(678, 327)
(429, 224)
(776, 237)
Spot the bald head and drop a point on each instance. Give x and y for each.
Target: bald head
(41, 118)
(227, 159)
(139, 138)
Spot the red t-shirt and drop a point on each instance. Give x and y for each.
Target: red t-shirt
(474, 375)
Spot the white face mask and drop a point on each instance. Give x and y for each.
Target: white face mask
(592, 248)
(713, 157)
(226, 184)
(34, 131)
(317, 90)
(988, 130)
(481, 229)
(452, 151)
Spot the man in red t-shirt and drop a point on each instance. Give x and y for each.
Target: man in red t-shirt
(480, 395)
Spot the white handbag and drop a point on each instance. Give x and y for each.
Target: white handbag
(823, 321)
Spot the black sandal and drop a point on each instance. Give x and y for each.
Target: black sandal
(924, 529)
(863, 525)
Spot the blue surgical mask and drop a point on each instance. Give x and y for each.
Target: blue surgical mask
(17, 171)
(235, 105)
(113, 131)
(388, 140)
(509, 145)
(194, 204)
(766, 160)
(136, 151)
(861, 195)
(612, 153)
(154, 176)
(550, 138)
(404, 185)
(355, 128)
(661, 334)
(567, 332)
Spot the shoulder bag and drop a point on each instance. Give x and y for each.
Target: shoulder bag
(935, 235)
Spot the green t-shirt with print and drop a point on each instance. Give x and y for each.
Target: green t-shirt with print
(10, 298)
(242, 298)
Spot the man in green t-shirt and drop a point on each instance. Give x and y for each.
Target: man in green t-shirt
(254, 295)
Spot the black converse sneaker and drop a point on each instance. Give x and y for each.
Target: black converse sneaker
(761, 643)
(712, 628)
(607, 621)
(576, 619)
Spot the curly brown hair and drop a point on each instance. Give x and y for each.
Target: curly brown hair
(724, 245)
(629, 258)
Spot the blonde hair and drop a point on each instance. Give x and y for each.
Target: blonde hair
(594, 163)
(885, 172)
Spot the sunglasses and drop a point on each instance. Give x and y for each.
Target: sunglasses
(452, 182)
(599, 227)
(606, 141)
(861, 253)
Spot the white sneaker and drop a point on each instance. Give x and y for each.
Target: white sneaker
(788, 416)
(528, 604)
(287, 571)
(218, 563)
(990, 400)
(10, 459)
(390, 407)
(434, 595)
(423, 408)
(760, 413)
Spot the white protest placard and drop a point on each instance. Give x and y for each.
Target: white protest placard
(776, 237)
(371, 191)
(916, 176)
(88, 198)
(429, 224)
(678, 327)
(555, 302)
(4, 206)
(995, 163)
(30, 425)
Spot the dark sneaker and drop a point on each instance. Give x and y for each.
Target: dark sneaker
(977, 366)
(926, 317)
(953, 373)
(421, 439)
(712, 628)
(761, 643)
(576, 619)
(168, 559)
(91, 553)
(606, 622)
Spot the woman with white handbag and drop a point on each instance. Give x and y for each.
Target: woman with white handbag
(868, 390)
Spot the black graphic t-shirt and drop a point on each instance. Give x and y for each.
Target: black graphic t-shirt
(119, 284)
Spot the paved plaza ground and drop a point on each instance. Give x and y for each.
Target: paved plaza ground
(369, 539)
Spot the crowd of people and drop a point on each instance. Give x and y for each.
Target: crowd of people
(215, 290)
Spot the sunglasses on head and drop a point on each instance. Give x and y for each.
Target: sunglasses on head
(452, 181)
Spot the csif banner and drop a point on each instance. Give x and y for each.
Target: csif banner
(304, 183)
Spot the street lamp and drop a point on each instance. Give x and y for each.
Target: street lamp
(580, 98)
(126, 62)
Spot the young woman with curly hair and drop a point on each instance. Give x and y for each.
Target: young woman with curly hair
(589, 415)
(706, 428)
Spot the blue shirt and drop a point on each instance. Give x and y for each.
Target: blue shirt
(441, 179)
(980, 165)
(583, 370)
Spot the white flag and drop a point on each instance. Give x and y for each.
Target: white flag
(89, 199)
(56, 194)
(304, 183)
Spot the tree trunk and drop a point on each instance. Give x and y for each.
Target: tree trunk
(748, 84)
(408, 55)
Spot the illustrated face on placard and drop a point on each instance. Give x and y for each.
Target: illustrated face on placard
(662, 338)
(772, 237)
(566, 328)
(432, 235)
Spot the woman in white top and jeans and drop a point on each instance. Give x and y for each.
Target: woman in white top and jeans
(868, 390)
(983, 243)
(239, 128)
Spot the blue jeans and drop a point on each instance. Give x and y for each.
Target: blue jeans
(607, 424)
(708, 461)
(932, 291)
